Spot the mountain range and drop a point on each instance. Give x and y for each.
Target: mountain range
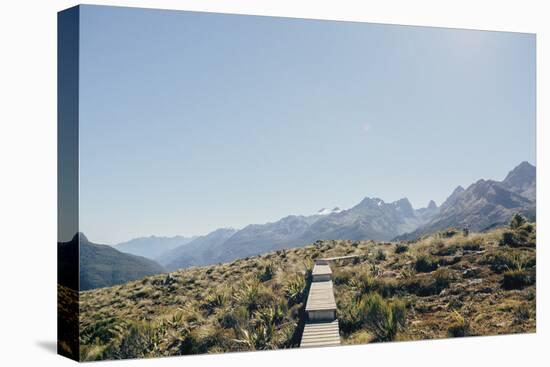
(485, 203)
(481, 205)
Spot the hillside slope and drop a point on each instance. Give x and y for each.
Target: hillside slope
(446, 284)
(101, 265)
(201, 250)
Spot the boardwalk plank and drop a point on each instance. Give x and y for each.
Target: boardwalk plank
(321, 297)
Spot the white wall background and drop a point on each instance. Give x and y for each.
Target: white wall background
(28, 180)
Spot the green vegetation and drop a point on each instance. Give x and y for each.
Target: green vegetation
(428, 285)
(517, 279)
(476, 244)
(425, 263)
(438, 286)
(295, 289)
(249, 304)
(268, 273)
(384, 318)
(448, 233)
(517, 222)
(380, 255)
(401, 248)
(521, 233)
(459, 327)
(452, 283)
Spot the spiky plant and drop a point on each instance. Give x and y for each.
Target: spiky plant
(258, 337)
(384, 319)
(267, 273)
(351, 314)
(401, 248)
(425, 263)
(248, 293)
(308, 267)
(517, 221)
(380, 255)
(295, 289)
(215, 300)
(270, 316)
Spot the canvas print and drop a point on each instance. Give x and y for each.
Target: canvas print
(233, 183)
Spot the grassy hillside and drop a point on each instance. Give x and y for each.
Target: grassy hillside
(446, 284)
(245, 305)
(449, 284)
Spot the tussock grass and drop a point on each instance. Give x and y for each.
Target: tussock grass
(518, 279)
(426, 263)
(401, 248)
(415, 290)
(459, 326)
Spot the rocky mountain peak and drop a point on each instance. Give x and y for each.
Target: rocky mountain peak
(522, 180)
(524, 168)
(451, 200)
(371, 202)
(459, 189)
(404, 206)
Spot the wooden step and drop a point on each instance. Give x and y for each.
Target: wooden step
(321, 272)
(321, 297)
(320, 334)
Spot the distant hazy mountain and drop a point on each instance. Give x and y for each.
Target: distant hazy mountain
(482, 204)
(153, 246)
(100, 265)
(485, 203)
(255, 239)
(202, 250)
(370, 219)
(427, 213)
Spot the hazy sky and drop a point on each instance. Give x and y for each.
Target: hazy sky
(194, 121)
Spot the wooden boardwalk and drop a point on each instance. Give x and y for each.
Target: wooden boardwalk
(321, 272)
(320, 334)
(342, 259)
(320, 301)
(321, 328)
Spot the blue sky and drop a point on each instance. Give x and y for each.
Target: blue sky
(194, 121)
